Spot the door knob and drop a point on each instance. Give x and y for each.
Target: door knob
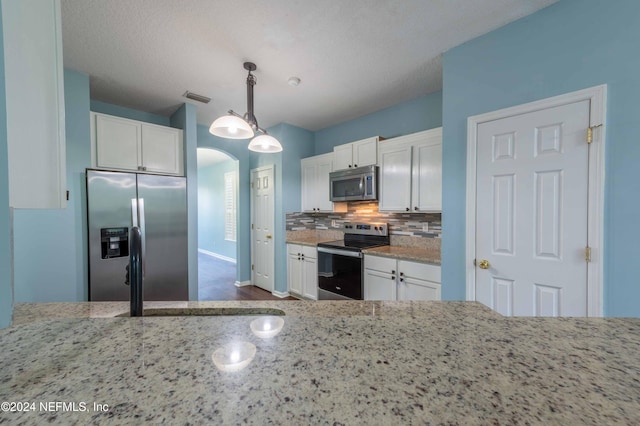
(268, 236)
(484, 264)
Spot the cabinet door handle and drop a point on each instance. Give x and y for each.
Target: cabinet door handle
(408, 209)
(349, 165)
(402, 274)
(393, 271)
(393, 278)
(401, 279)
(355, 165)
(416, 208)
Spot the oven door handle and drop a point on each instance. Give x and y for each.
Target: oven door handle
(339, 252)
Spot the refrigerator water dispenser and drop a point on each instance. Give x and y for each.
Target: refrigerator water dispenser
(114, 242)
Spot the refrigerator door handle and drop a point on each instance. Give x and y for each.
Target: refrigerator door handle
(143, 253)
(134, 212)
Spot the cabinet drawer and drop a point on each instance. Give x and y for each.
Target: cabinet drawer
(422, 271)
(379, 263)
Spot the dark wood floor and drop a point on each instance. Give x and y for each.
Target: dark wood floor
(252, 292)
(216, 281)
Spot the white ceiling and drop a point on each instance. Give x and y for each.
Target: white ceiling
(354, 57)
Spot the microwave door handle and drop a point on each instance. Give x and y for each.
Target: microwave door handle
(361, 184)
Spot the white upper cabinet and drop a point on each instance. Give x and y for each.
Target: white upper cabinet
(34, 82)
(315, 183)
(161, 149)
(395, 177)
(118, 143)
(356, 154)
(411, 173)
(123, 144)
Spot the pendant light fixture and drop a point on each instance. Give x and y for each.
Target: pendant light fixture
(235, 126)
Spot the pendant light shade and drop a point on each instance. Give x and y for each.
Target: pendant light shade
(233, 126)
(265, 143)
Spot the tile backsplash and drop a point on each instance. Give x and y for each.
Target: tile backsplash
(424, 225)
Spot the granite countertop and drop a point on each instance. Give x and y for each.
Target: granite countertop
(333, 362)
(426, 250)
(407, 253)
(313, 237)
(308, 240)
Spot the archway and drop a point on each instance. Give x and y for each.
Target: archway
(217, 224)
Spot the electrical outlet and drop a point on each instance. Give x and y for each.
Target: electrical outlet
(333, 223)
(425, 227)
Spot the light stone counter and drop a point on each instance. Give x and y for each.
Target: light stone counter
(332, 363)
(407, 253)
(313, 237)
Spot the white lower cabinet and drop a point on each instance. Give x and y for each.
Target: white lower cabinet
(391, 279)
(302, 270)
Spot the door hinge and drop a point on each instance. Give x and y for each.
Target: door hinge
(253, 267)
(475, 263)
(590, 132)
(587, 254)
(67, 195)
(251, 185)
(252, 226)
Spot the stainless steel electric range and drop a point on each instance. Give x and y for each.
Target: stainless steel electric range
(341, 263)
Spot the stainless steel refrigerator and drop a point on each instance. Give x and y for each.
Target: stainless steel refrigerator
(158, 205)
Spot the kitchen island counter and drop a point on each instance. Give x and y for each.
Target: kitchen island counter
(333, 362)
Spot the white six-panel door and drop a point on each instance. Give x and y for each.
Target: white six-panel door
(531, 212)
(262, 220)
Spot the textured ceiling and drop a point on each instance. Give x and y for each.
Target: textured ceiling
(353, 57)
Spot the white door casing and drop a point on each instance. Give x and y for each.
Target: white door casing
(534, 202)
(262, 223)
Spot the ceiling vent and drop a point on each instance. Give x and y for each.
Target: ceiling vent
(196, 97)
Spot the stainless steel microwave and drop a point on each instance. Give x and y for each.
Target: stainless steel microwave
(356, 184)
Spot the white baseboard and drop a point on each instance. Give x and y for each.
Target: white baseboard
(216, 255)
(280, 294)
(242, 283)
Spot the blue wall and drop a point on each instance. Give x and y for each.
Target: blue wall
(50, 245)
(133, 114)
(408, 117)
(6, 283)
(297, 143)
(571, 45)
(211, 212)
(238, 151)
(185, 118)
